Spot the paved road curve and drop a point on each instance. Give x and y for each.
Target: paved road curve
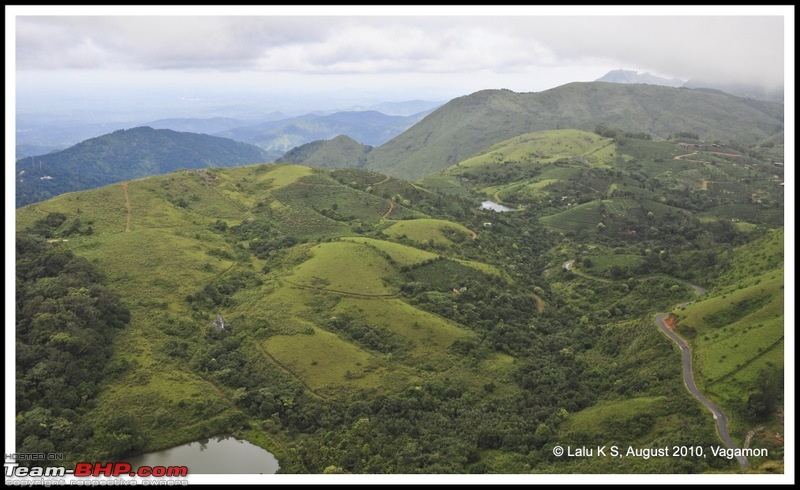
(688, 374)
(688, 380)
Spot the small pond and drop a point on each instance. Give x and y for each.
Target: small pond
(494, 206)
(219, 455)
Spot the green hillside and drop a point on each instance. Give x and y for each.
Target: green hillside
(339, 152)
(546, 147)
(737, 334)
(123, 155)
(316, 323)
(627, 187)
(467, 125)
(429, 230)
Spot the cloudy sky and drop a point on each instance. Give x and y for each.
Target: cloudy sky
(289, 57)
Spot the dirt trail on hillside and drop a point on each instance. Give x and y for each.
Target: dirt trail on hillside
(290, 373)
(389, 211)
(680, 157)
(127, 206)
(737, 155)
(342, 293)
(539, 303)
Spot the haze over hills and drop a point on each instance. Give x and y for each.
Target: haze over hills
(404, 108)
(37, 134)
(122, 155)
(41, 133)
(633, 76)
(741, 89)
(208, 125)
(737, 89)
(367, 127)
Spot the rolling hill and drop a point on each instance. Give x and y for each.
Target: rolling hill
(339, 152)
(565, 173)
(325, 311)
(122, 155)
(466, 125)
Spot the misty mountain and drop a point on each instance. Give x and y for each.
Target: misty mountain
(23, 151)
(405, 108)
(207, 125)
(339, 152)
(632, 76)
(123, 155)
(466, 125)
(740, 89)
(42, 133)
(367, 127)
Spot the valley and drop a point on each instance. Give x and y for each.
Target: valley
(351, 321)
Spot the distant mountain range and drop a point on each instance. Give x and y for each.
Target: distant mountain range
(209, 125)
(367, 127)
(404, 108)
(275, 132)
(452, 133)
(123, 155)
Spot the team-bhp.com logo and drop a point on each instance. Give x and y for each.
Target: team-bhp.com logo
(86, 470)
(119, 469)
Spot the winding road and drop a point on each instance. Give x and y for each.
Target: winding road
(688, 374)
(688, 380)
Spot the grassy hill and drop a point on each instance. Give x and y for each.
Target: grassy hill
(545, 147)
(123, 155)
(626, 186)
(339, 152)
(466, 125)
(737, 332)
(313, 321)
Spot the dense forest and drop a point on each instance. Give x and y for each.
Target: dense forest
(66, 319)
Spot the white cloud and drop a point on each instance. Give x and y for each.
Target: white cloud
(399, 48)
(447, 55)
(747, 48)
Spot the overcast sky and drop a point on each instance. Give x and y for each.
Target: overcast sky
(277, 60)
